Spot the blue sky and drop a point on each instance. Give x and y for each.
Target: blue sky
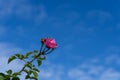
(87, 33)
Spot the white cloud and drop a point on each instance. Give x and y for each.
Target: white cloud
(51, 72)
(110, 74)
(6, 50)
(84, 71)
(22, 9)
(94, 73)
(76, 73)
(92, 69)
(4, 66)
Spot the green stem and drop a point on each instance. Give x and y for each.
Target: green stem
(29, 63)
(40, 53)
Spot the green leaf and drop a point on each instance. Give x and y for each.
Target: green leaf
(35, 69)
(29, 72)
(35, 74)
(11, 59)
(17, 55)
(22, 57)
(2, 74)
(29, 65)
(28, 53)
(15, 78)
(42, 57)
(9, 71)
(7, 77)
(27, 76)
(39, 62)
(34, 56)
(25, 70)
(1, 77)
(33, 78)
(15, 74)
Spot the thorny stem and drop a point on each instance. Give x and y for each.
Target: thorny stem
(29, 62)
(40, 53)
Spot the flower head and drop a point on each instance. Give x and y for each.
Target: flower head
(49, 42)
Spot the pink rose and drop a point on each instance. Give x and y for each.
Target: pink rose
(49, 42)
